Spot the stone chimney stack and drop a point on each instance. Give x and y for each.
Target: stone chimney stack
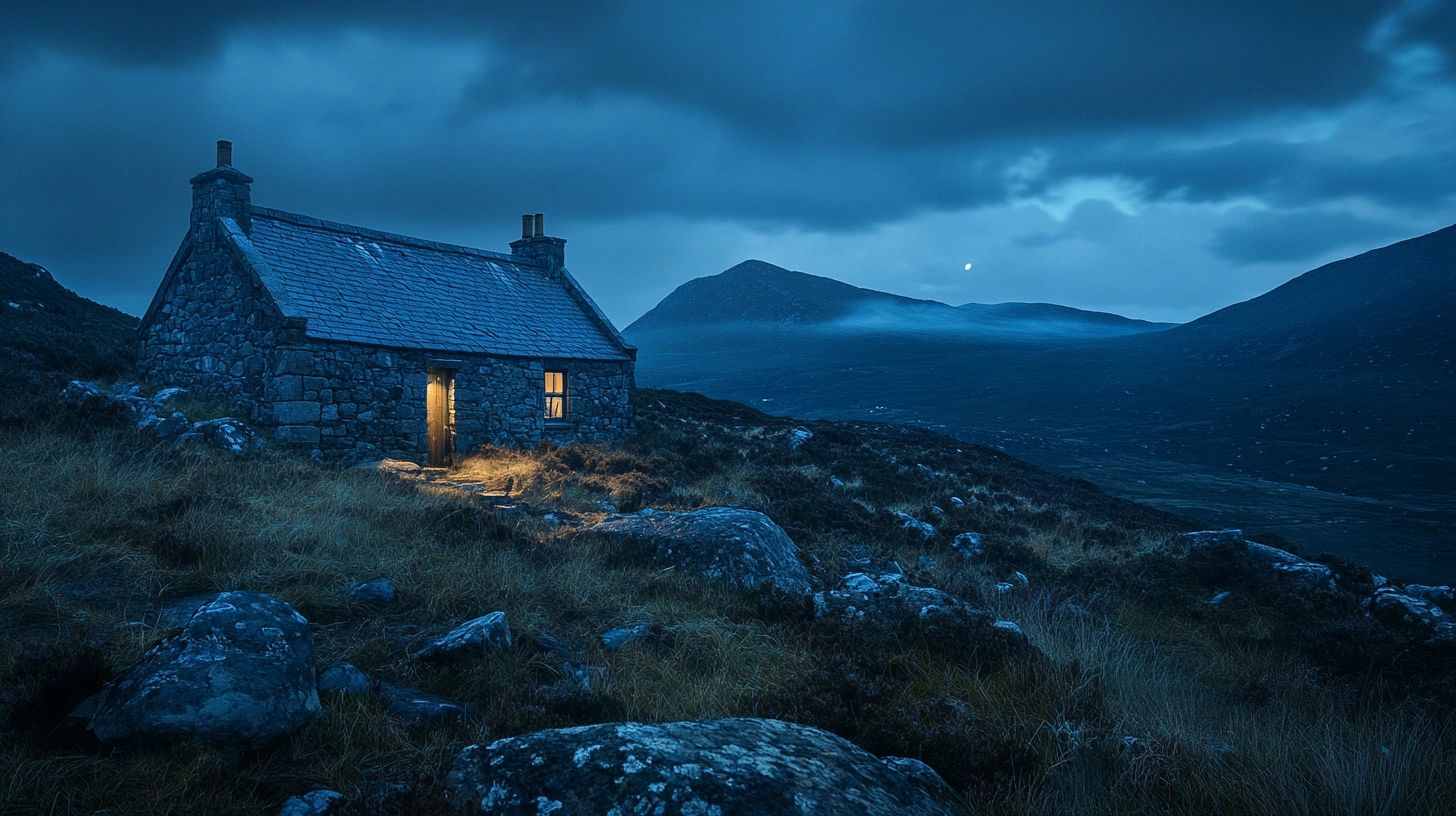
(222, 192)
(539, 248)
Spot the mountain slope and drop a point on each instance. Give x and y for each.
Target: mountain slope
(1329, 402)
(49, 334)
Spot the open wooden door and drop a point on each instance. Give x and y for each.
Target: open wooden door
(439, 416)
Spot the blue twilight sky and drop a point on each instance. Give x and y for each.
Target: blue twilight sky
(1156, 159)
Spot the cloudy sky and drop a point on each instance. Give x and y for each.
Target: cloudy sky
(1152, 158)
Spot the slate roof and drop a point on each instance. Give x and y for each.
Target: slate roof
(363, 286)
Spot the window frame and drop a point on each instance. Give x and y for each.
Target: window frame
(564, 395)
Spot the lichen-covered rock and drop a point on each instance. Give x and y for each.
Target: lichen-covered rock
(1298, 575)
(374, 595)
(239, 675)
(890, 602)
(226, 433)
(474, 636)
(923, 776)
(909, 522)
(741, 548)
(735, 767)
(421, 707)
(1416, 616)
(970, 545)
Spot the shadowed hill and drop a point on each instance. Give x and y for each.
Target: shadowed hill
(49, 334)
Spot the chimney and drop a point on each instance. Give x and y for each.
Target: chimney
(221, 192)
(539, 248)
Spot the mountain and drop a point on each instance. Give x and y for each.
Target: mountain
(1324, 407)
(49, 334)
(756, 292)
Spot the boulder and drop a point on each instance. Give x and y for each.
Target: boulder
(892, 603)
(345, 678)
(924, 777)
(421, 707)
(474, 636)
(375, 594)
(798, 436)
(238, 676)
(724, 767)
(226, 433)
(1294, 573)
(970, 545)
(399, 467)
(314, 803)
(909, 522)
(741, 548)
(1416, 616)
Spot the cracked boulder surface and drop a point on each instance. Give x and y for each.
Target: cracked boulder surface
(742, 548)
(722, 767)
(239, 675)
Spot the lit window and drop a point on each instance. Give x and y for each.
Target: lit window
(556, 395)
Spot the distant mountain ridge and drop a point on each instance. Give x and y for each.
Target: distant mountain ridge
(759, 292)
(1337, 389)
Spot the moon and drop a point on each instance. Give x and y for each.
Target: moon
(968, 267)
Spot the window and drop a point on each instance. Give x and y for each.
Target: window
(556, 396)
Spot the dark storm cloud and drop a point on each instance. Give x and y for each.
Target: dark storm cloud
(752, 122)
(891, 74)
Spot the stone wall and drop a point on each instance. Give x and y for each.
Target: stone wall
(358, 402)
(211, 331)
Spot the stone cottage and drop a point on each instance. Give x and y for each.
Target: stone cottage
(359, 343)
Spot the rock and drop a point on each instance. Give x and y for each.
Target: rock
(556, 646)
(1003, 587)
(238, 676)
(891, 603)
(970, 545)
(345, 678)
(924, 778)
(1021, 579)
(871, 565)
(835, 481)
(956, 503)
(798, 436)
(925, 471)
(421, 707)
(314, 803)
(615, 639)
(373, 594)
(168, 394)
(723, 767)
(934, 510)
(485, 632)
(1297, 574)
(741, 548)
(1434, 594)
(165, 429)
(1219, 598)
(1416, 616)
(227, 434)
(1010, 626)
(1204, 538)
(399, 467)
(909, 522)
(607, 507)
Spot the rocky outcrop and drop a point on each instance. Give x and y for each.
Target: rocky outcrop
(1231, 549)
(373, 595)
(151, 415)
(239, 675)
(1414, 616)
(741, 548)
(724, 767)
(890, 602)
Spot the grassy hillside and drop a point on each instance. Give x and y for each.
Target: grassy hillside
(48, 334)
(1144, 699)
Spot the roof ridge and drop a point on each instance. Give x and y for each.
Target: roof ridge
(301, 220)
